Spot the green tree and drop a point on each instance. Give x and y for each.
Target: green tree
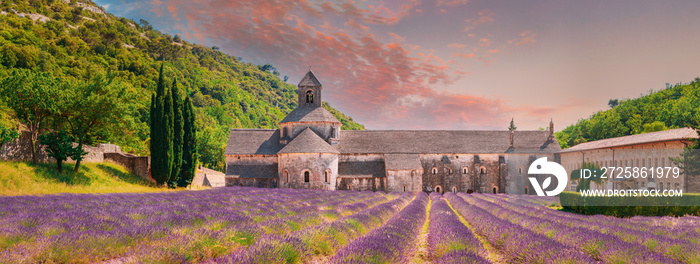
(59, 145)
(7, 134)
(189, 148)
(512, 126)
(655, 126)
(161, 133)
(689, 160)
(178, 123)
(101, 103)
(585, 183)
(34, 97)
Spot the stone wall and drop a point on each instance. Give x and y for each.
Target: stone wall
(20, 149)
(404, 180)
(135, 164)
(362, 183)
(294, 166)
(252, 182)
(447, 172)
(645, 155)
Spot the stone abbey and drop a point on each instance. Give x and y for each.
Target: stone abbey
(310, 151)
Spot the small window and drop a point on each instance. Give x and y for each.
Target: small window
(501, 159)
(438, 189)
(328, 175)
(526, 191)
(286, 175)
(434, 170)
(404, 188)
(449, 171)
(495, 190)
(309, 97)
(454, 189)
(520, 170)
(482, 170)
(678, 187)
(465, 170)
(307, 175)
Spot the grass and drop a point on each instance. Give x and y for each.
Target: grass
(23, 178)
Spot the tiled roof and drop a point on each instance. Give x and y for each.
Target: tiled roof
(444, 141)
(659, 136)
(308, 142)
(253, 141)
(251, 171)
(265, 141)
(350, 169)
(402, 162)
(309, 80)
(309, 113)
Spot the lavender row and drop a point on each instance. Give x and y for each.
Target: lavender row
(89, 228)
(683, 228)
(678, 249)
(449, 240)
(637, 229)
(604, 247)
(309, 217)
(391, 242)
(517, 244)
(321, 240)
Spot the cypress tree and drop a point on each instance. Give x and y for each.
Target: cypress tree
(161, 143)
(189, 148)
(178, 124)
(168, 118)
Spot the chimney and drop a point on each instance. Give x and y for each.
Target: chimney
(511, 138)
(551, 128)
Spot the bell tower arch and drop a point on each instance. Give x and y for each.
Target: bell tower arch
(310, 91)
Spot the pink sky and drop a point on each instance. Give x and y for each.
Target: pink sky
(451, 64)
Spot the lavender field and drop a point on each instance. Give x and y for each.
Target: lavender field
(249, 225)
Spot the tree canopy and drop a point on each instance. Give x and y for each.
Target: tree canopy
(75, 43)
(673, 107)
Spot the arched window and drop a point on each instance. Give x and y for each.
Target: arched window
(526, 191)
(454, 189)
(286, 175)
(465, 170)
(661, 186)
(495, 190)
(520, 170)
(307, 175)
(449, 171)
(434, 170)
(404, 188)
(438, 189)
(309, 97)
(328, 175)
(483, 170)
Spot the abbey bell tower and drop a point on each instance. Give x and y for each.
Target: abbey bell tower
(309, 91)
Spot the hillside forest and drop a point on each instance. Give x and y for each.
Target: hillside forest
(674, 107)
(77, 42)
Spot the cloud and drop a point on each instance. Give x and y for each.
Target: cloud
(451, 2)
(527, 37)
(484, 42)
(381, 82)
(463, 55)
(456, 45)
(484, 17)
(397, 37)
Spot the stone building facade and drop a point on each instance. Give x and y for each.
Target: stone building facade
(648, 151)
(310, 151)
